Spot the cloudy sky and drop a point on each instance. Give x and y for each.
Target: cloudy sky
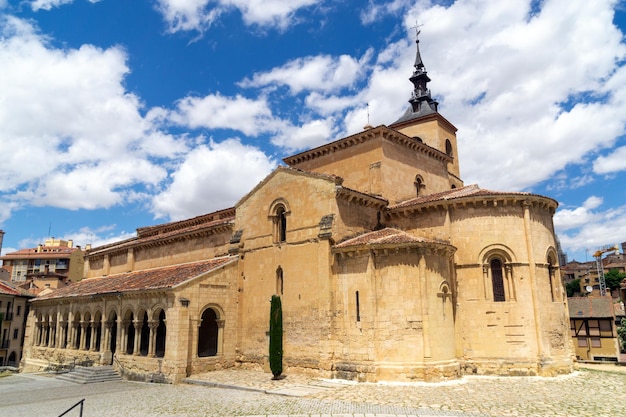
(118, 114)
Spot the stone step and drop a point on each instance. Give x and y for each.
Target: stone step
(91, 374)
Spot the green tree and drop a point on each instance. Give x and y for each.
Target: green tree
(572, 287)
(613, 278)
(276, 337)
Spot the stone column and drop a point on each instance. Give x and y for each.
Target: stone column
(138, 325)
(123, 335)
(46, 334)
(220, 336)
(53, 335)
(83, 335)
(94, 335)
(61, 334)
(37, 333)
(153, 324)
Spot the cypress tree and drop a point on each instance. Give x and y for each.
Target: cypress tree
(276, 337)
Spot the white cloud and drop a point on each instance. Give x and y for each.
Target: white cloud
(317, 73)
(277, 13)
(251, 117)
(83, 141)
(531, 90)
(212, 178)
(585, 228)
(49, 4)
(375, 11)
(566, 219)
(309, 135)
(186, 15)
(614, 162)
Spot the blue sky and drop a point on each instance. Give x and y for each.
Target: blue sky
(118, 114)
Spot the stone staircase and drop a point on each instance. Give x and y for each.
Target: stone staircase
(91, 374)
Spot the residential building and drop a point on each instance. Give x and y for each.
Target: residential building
(593, 328)
(51, 265)
(13, 314)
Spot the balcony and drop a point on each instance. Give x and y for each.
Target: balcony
(6, 316)
(4, 344)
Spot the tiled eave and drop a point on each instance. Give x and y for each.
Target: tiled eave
(391, 241)
(361, 137)
(162, 229)
(360, 198)
(212, 228)
(474, 201)
(155, 280)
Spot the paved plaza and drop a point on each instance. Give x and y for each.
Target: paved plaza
(587, 392)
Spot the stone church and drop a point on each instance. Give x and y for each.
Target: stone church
(388, 267)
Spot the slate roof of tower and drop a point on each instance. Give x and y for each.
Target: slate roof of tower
(144, 280)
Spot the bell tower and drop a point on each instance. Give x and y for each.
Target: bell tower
(422, 120)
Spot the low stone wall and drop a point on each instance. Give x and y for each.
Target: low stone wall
(43, 359)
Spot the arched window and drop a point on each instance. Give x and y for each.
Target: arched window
(497, 279)
(207, 334)
(130, 335)
(279, 281)
(278, 212)
(144, 342)
(281, 220)
(552, 276)
(113, 341)
(160, 336)
(448, 147)
(419, 185)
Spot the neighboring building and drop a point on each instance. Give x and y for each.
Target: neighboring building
(592, 323)
(587, 272)
(388, 266)
(13, 314)
(4, 274)
(51, 265)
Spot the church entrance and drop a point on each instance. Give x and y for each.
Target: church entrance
(207, 334)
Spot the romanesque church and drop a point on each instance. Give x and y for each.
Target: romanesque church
(389, 268)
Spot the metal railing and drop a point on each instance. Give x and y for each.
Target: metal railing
(80, 403)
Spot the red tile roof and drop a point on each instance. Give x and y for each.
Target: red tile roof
(149, 279)
(387, 236)
(8, 288)
(48, 253)
(468, 191)
(588, 307)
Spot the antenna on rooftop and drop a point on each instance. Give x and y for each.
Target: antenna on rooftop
(368, 126)
(49, 229)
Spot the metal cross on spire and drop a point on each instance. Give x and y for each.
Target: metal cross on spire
(417, 30)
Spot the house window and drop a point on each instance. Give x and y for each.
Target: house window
(16, 332)
(19, 310)
(497, 280)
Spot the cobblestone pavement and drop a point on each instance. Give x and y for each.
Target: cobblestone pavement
(600, 391)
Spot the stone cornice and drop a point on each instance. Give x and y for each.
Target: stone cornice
(381, 131)
(360, 198)
(476, 201)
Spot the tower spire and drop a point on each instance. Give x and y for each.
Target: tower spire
(421, 100)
